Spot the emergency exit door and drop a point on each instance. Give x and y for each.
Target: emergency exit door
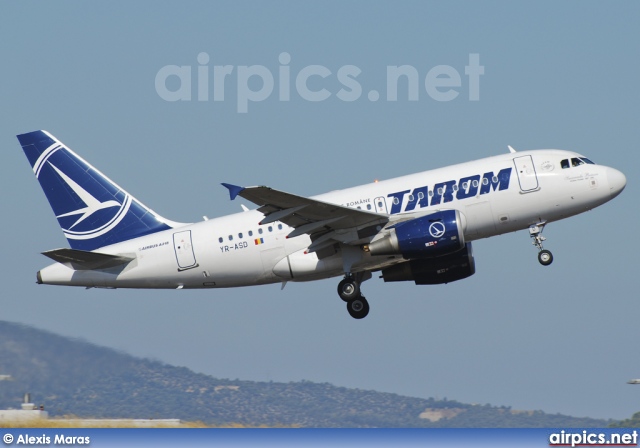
(184, 250)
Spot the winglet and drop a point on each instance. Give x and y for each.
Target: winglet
(234, 190)
(511, 150)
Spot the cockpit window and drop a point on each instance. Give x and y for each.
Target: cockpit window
(576, 162)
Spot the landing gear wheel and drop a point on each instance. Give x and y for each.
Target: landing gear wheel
(545, 257)
(535, 231)
(358, 308)
(348, 289)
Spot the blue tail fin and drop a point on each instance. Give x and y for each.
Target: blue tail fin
(91, 209)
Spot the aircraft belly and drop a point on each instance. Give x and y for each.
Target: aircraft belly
(239, 268)
(303, 266)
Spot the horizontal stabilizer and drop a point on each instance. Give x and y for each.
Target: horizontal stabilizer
(81, 260)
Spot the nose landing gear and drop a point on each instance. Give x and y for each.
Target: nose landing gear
(349, 291)
(545, 257)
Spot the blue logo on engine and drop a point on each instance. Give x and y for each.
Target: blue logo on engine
(437, 229)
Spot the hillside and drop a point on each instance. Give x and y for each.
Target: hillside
(75, 377)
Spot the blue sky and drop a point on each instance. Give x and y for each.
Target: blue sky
(556, 75)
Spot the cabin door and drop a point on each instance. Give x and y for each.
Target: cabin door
(526, 174)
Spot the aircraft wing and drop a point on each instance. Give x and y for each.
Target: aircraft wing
(325, 222)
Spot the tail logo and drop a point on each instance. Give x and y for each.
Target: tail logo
(92, 204)
(93, 217)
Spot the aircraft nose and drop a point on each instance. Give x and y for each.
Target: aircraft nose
(617, 182)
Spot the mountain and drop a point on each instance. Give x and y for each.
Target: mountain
(74, 377)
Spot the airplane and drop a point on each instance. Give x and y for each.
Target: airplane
(637, 381)
(418, 227)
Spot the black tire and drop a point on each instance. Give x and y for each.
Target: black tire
(348, 289)
(545, 257)
(358, 308)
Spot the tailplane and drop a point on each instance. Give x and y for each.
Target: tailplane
(92, 210)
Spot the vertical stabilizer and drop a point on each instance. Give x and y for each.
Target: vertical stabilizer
(92, 210)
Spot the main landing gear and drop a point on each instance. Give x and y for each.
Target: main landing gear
(349, 291)
(545, 257)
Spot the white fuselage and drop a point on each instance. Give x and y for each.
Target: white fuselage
(235, 251)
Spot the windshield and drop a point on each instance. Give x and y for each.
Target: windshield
(575, 161)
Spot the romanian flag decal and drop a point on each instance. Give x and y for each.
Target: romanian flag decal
(259, 241)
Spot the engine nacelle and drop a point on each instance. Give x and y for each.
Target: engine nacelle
(434, 235)
(434, 271)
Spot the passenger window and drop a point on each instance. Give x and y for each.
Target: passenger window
(564, 164)
(396, 201)
(250, 232)
(280, 225)
(455, 188)
(474, 183)
(411, 198)
(465, 185)
(576, 162)
(260, 231)
(379, 204)
(494, 179)
(368, 206)
(220, 240)
(230, 237)
(440, 191)
(485, 181)
(240, 235)
(270, 229)
(421, 195)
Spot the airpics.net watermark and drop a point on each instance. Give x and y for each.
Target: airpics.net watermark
(255, 83)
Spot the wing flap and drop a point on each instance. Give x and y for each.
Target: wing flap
(81, 260)
(280, 215)
(310, 227)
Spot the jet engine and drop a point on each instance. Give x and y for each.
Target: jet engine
(434, 271)
(434, 235)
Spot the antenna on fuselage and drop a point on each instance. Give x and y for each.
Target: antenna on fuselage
(511, 150)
